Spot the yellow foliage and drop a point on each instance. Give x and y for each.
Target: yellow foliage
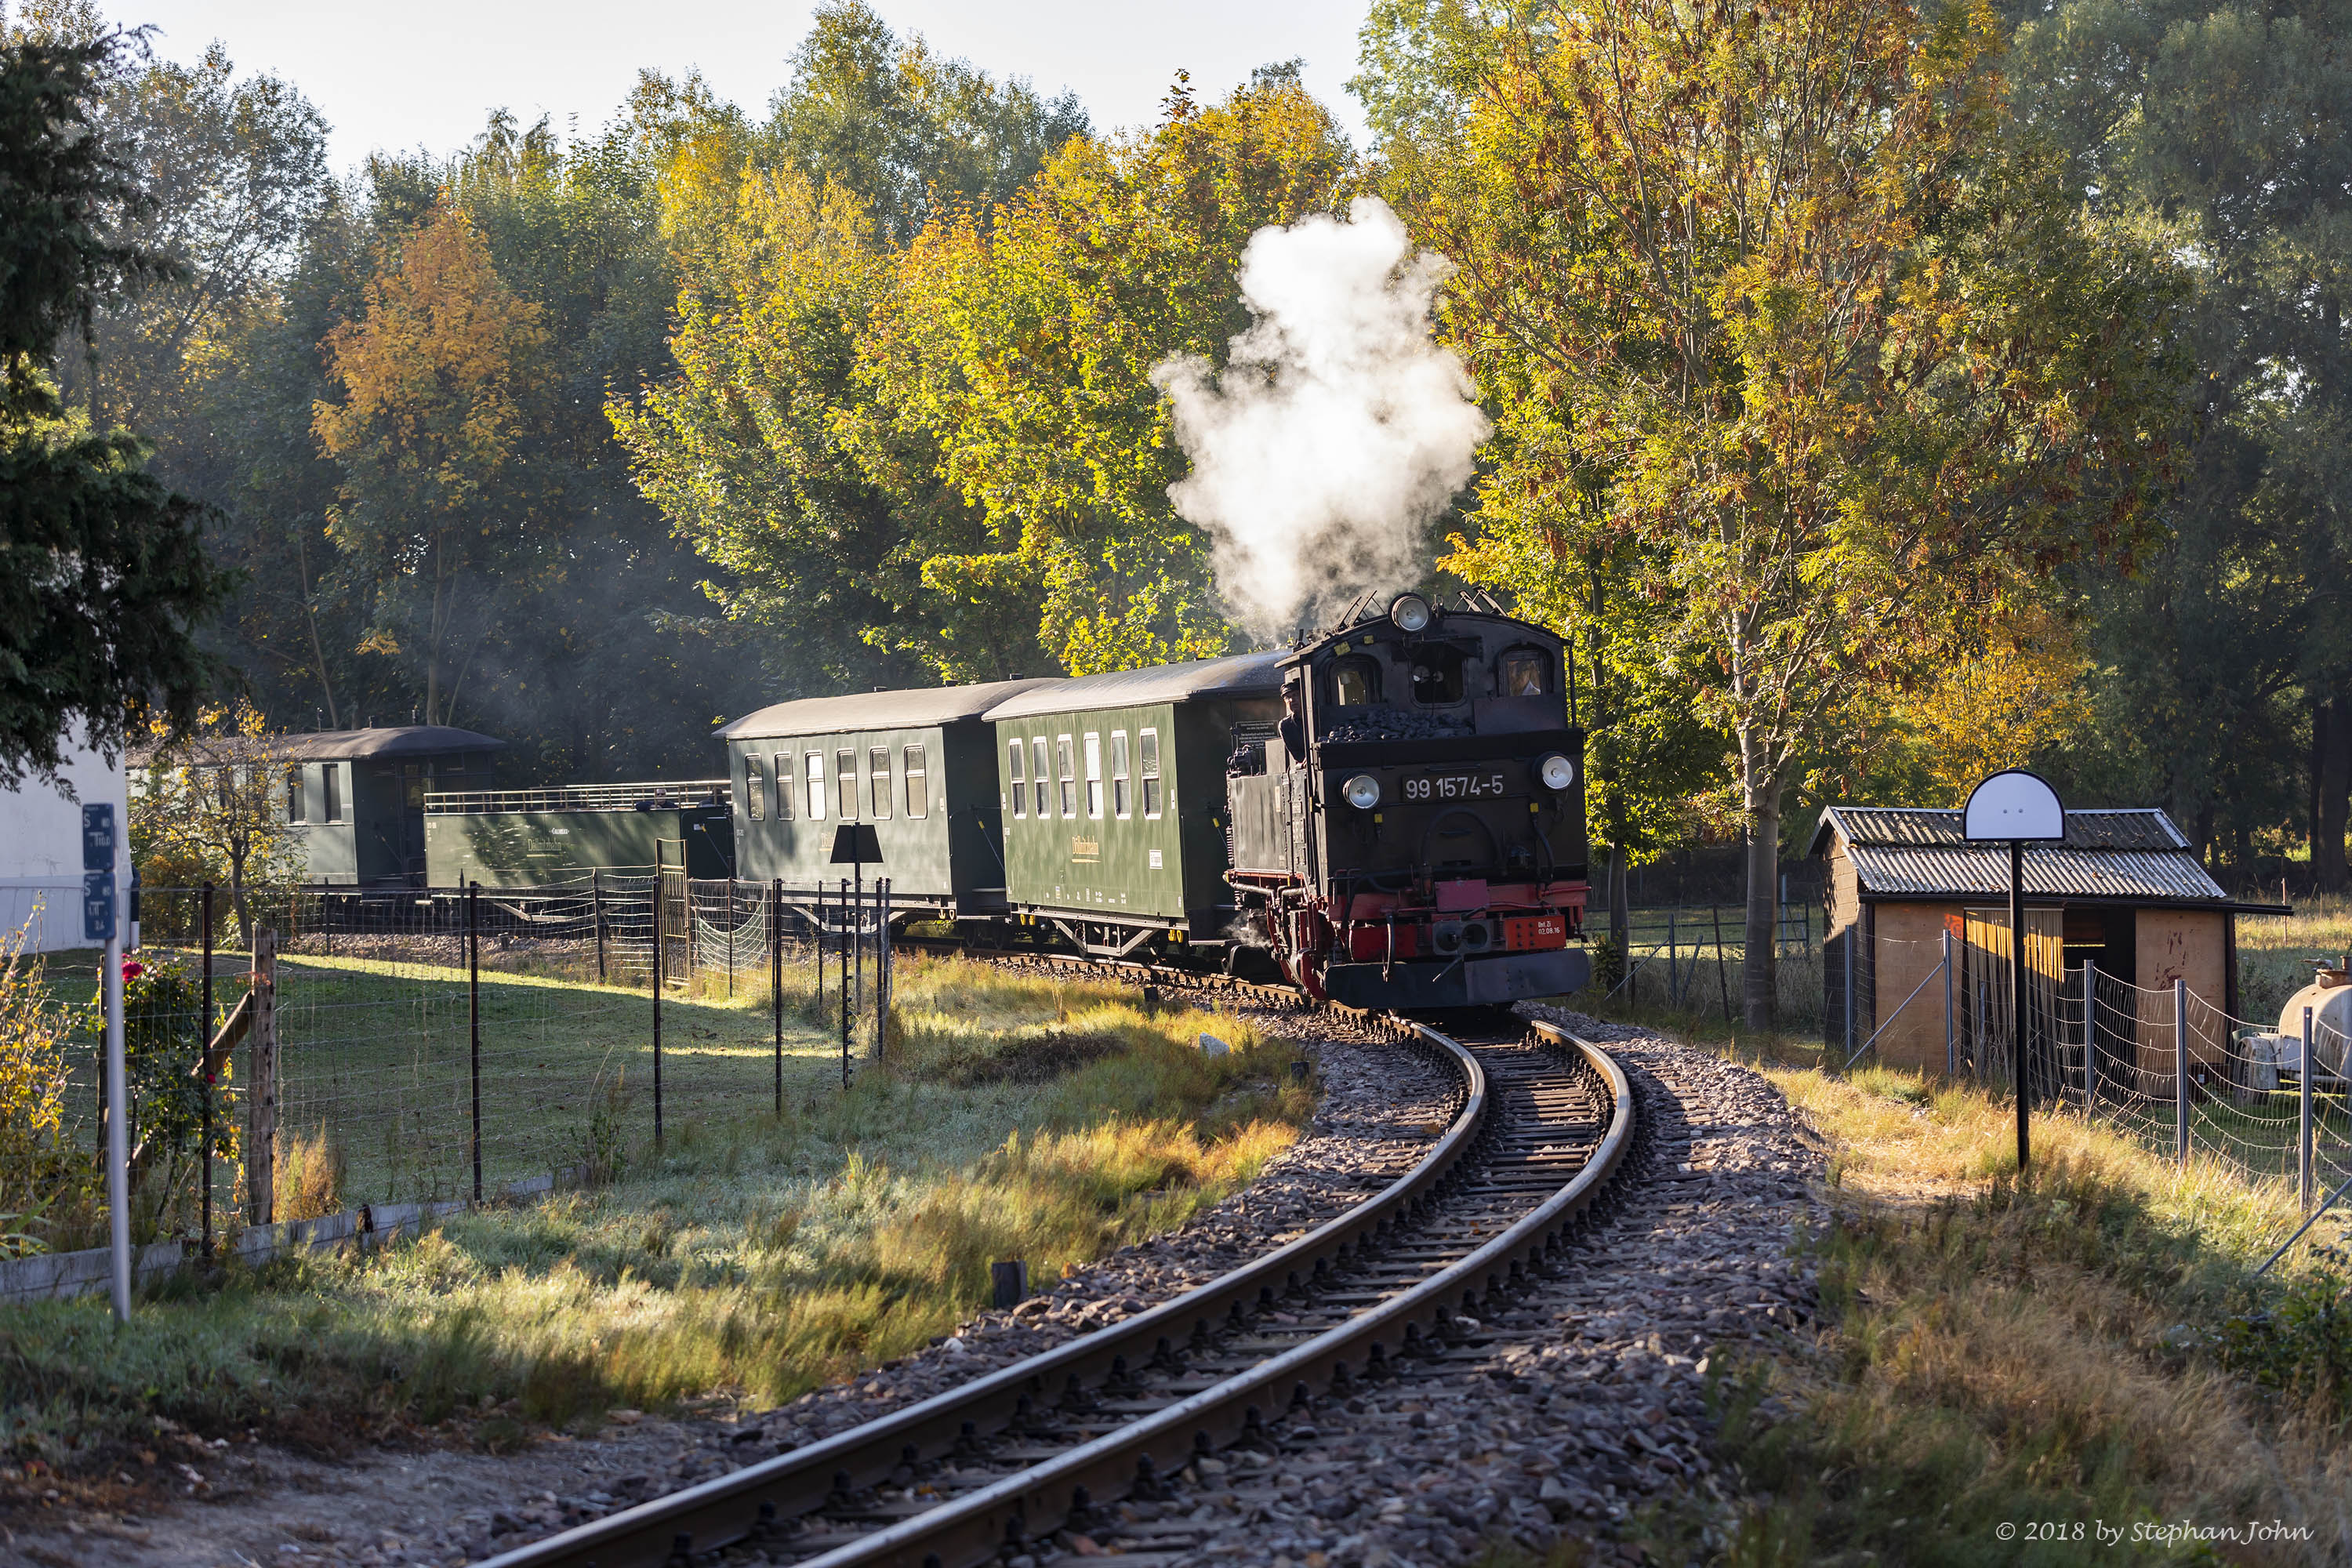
(2022, 695)
(34, 1169)
(211, 806)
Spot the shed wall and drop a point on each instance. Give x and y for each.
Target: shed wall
(2181, 944)
(1907, 946)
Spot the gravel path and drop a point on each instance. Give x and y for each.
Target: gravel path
(1589, 1402)
(1382, 1105)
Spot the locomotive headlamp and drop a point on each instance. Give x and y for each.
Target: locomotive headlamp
(1556, 770)
(1363, 791)
(1410, 612)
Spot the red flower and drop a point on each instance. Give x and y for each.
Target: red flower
(133, 969)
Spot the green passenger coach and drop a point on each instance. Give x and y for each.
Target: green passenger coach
(1112, 793)
(915, 764)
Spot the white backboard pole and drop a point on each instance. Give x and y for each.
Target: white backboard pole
(2019, 807)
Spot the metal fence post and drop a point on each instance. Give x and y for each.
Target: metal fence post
(776, 979)
(847, 935)
(1722, 980)
(204, 1070)
(1851, 931)
(881, 964)
(1674, 948)
(1951, 1065)
(2302, 1119)
(2090, 1036)
(2180, 1068)
(657, 990)
(730, 939)
(597, 917)
(474, 1017)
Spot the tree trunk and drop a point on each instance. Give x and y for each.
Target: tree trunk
(1760, 968)
(2333, 726)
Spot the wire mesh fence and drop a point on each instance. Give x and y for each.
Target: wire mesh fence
(1690, 960)
(435, 1043)
(2165, 1063)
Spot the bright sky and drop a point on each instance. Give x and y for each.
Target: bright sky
(428, 72)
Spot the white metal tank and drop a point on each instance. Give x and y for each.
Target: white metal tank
(2329, 997)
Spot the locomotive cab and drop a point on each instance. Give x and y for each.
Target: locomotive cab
(1413, 834)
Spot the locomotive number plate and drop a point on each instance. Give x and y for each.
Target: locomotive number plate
(1454, 787)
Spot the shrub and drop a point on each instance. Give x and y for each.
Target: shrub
(310, 1176)
(44, 1183)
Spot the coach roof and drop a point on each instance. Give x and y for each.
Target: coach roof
(914, 709)
(1239, 675)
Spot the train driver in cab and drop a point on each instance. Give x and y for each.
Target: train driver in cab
(1293, 724)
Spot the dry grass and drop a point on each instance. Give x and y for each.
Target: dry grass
(2048, 1349)
(747, 1259)
(308, 1175)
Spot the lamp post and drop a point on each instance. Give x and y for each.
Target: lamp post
(2016, 807)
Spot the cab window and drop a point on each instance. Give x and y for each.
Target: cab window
(1355, 681)
(1523, 672)
(1436, 674)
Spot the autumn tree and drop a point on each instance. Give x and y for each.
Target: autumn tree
(428, 432)
(210, 805)
(1834, 342)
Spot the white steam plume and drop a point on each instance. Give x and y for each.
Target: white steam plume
(1337, 430)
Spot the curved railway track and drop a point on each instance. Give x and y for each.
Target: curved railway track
(1542, 1121)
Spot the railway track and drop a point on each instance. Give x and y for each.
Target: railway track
(1395, 1287)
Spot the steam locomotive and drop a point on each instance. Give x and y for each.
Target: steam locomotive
(1390, 814)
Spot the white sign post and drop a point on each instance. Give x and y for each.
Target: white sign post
(2021, 809)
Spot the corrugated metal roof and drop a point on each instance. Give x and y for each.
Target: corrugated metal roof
(1982, 869)
(2138, 827)
(1239, 675)
(915, 709)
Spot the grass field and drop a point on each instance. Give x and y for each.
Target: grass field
(2085, 1344)
(748, 1256)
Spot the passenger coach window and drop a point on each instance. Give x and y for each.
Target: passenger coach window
(1522, 672)
(813, 770)
(1118, 803)
(919, 784)
(878, 780)
(1016, 757)
(1069, 760)
(784, 786)
(844, 783)
(755, 790)
(1094, 775)
(294, 794)
(1355, 682)
(1149, 745)
(1038, 775)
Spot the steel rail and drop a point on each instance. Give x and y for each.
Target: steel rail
(979, 1525)
(748, 1503)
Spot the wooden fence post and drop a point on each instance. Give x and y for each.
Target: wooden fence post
(261, 1094)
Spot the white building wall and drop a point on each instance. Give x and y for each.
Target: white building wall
(40, 849)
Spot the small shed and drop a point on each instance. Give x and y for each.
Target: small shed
(2123, 891)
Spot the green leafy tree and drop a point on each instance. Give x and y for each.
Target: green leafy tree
(102, 578)
(2219, 128)
(1840, 355)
